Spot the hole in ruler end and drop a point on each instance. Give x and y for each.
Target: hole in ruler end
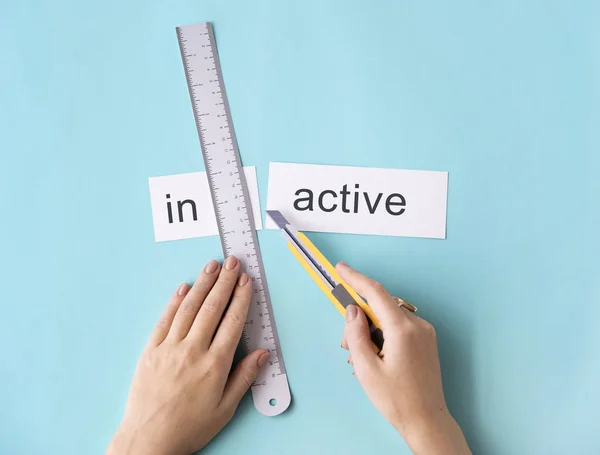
(272, 396)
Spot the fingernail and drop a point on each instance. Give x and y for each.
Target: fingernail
(343, 265)
(183, 289)
(263, 359)
(243, 279)
(231, 262)
(350, 312)
(211, 267)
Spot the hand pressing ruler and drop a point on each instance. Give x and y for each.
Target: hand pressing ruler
(231, 202)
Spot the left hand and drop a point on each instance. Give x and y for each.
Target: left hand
(182, 394)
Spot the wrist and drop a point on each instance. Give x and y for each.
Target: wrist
(120, 444)
(437, 433)
(129, 442)
(123, 443)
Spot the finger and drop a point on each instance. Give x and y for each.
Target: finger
(166, 319)
(344, 342)
(230, 330)
(193, 300)
(350, 360)
(359, 340)
(211, 311)
(378, 298)
(242, 378)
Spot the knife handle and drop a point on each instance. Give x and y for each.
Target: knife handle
(343, 294)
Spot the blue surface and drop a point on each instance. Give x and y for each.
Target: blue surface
(504, 95)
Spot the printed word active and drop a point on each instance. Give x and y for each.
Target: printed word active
(328, 201)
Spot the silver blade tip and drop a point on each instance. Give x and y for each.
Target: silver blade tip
(278, 218)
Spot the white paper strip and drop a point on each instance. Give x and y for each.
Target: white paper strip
(359, 200)
(182, 207)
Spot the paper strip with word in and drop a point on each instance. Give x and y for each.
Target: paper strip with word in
(182, 207)
(359, 200)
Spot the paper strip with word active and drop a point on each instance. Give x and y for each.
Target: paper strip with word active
(231, 201)
(359, 200)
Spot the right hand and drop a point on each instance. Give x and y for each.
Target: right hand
(404, 382)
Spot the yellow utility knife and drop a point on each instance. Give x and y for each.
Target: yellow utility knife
(325, 275)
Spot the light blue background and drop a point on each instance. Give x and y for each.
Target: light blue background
(504, 95)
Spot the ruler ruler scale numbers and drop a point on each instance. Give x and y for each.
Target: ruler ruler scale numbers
(231, 202)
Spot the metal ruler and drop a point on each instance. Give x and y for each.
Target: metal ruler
(231, 202)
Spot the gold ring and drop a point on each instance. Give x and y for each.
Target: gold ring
(409, 306)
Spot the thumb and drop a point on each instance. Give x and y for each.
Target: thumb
(377, 297)
(242, 378)
(358, 338)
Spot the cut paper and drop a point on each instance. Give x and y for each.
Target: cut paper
(182, 207)
(359, 200)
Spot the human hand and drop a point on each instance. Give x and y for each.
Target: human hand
(404, 382)
(182, 394)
